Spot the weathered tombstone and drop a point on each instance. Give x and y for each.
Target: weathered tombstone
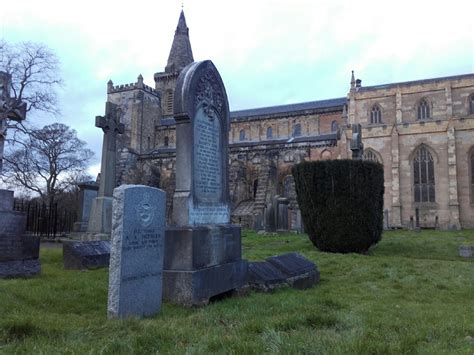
(87, 194)
(290, 269)
(282, 214)
(466, 251)
(270, 220)
(136, 256)
(357, 146)
(203, 250)
(86, 255)
(100, 219)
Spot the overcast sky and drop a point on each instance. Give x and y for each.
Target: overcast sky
(268, 52)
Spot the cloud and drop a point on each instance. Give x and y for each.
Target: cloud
(268, 52)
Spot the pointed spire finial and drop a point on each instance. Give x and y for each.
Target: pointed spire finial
(353, 82)
(110, 86)
(181, 53)
(140, 81)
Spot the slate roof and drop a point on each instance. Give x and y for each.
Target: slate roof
(282, 109)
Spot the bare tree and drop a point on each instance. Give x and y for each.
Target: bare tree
(35, 74)
(47, 161)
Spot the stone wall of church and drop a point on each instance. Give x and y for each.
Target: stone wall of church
(447, 133)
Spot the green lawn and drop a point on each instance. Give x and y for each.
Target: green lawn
(411, 294)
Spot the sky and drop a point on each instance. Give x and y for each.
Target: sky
(267, 52)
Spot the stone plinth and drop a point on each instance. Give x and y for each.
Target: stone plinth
(202, 262)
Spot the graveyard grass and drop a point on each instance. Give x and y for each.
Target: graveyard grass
(411, 294)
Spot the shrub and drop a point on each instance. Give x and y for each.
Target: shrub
(341, 203)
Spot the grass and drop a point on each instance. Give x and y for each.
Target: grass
(411, 294)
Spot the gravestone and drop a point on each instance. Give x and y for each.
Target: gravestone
(86, 255)
(282, 214)
(136, 256)
(87, 194)
(100, 219)
(203, 250)
(291, 269)
(18, 253)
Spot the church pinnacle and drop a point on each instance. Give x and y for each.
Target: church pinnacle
(181, 53)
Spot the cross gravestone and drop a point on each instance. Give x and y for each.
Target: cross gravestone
(203, 250)
(100, 219)
(18, 254)
(136, 255)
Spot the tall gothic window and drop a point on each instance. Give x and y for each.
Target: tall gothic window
(269, 132)
(297, 130)
(471, 104)
(166, 141)
(375, 115)
(169, 102)
(334, 126)
(423, 110)
(370, 154)
(423, 176)
(242, 135)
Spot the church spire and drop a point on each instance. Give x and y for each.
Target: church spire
(181, 53)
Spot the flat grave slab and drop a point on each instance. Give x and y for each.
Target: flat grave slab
(86, 255)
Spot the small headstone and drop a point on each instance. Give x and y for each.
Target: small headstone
(6, 200)
(137, 247)
(283, 214)
(264, 276)
(290, 269)
(86, 255)
(300, 272)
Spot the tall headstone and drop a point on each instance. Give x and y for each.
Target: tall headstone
(203, 250)
(101, 211)
(87, 194)
(136, 255)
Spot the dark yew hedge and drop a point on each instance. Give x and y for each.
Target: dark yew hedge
(341, 203)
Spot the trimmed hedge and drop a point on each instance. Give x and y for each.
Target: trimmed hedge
(341, 203)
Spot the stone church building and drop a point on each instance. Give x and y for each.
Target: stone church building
(421, 131)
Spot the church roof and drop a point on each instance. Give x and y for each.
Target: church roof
(181, 53)
(291, 108)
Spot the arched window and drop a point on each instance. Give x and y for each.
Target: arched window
(369, 154)
(166, 141)
(149, 142)
(269, 132)
(242, 135)
(471, 104)
(297, 130)
(334, 126)
(423, 110)
(326, 154)
(375, 115)
(169, 102)
(423, 176)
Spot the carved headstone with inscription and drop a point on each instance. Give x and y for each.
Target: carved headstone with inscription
(203, 250)
(136, 255)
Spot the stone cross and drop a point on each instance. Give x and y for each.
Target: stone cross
(111, 126)
(10, 108)
(357, 146)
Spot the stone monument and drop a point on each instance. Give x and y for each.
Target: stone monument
(136, 255)
(100, 220)
(203, 250)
